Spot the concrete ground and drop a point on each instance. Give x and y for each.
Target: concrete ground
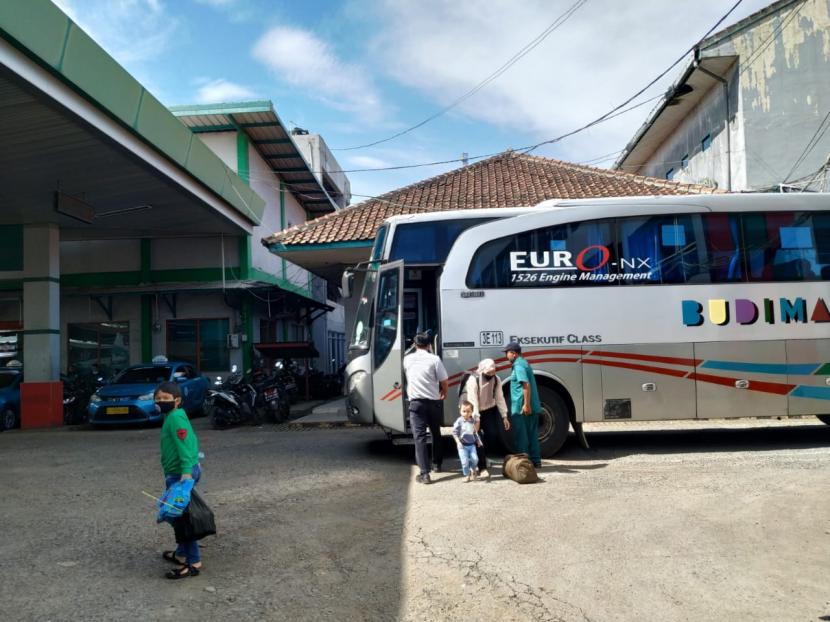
(665, 522)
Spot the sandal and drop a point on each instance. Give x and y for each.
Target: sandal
(170, 556)
(183, 572)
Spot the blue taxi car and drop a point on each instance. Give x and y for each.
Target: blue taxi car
(129, 397)
(10, 380)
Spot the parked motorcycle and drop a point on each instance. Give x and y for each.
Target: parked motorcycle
(232, 402)
(288, 379)
(272, 401)
(77, 389)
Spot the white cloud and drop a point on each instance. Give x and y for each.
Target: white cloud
(606, 52)
(131, 31)
(367, 162)
(299, 58)
(221, 91)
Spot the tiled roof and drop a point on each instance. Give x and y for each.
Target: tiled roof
(509, 179)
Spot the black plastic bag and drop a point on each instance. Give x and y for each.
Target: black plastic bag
(197, 521)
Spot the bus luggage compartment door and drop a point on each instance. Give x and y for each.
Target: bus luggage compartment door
(741, 379)
(646, 382)
(387, 349)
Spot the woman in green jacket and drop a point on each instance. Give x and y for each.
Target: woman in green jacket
(179, 461)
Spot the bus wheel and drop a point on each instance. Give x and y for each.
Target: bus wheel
(553, 422)
(824, 418)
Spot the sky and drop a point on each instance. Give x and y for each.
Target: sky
(359, 71)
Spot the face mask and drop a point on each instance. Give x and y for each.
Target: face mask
(166, 407)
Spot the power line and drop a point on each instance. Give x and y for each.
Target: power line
(750, 61)
(614, 112)
(608, 114)
(470, 158)
(814, 140)
(559, 21)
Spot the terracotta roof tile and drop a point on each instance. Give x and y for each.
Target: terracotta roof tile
(507, 180)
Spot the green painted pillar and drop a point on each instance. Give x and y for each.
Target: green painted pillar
(243, 169)
(146, 329)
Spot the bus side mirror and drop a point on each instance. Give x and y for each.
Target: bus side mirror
(346, 284)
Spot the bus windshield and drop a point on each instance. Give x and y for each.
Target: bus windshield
(363, 317)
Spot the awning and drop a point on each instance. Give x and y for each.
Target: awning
(680, 99)
(288, 350)
(73, 121)
(268, 134)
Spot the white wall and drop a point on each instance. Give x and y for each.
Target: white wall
(206, 252)
(100, 256)
(710, 167)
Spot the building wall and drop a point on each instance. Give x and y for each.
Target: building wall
(709, 166)
(84, 310)
(282, 210)
(77, 309)
(779, 95)
(88, 256)
(785, 90)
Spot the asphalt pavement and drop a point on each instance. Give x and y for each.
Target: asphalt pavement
(702, 521)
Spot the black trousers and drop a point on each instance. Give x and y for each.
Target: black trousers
(492, 417)
(426, 415)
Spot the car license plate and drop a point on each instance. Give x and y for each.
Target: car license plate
(118, 410)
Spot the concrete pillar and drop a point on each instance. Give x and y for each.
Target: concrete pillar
(41, 396)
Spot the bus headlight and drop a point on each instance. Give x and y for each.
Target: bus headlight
(94, 398)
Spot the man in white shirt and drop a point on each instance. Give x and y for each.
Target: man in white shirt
(426, 388)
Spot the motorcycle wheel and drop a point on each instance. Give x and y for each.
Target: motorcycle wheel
(219, 419)
(284, 410)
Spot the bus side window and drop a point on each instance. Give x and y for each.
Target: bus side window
(722, 233)
(787, 246)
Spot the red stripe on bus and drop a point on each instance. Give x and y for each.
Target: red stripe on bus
(657, 370)
(547, 360)
(754, 385)
(669, 360)
(388, 394)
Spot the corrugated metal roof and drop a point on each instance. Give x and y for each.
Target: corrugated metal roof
(268, 134)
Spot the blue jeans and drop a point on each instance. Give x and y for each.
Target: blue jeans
(188, 550)
(469, 458)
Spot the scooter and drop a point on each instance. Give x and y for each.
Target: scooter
(232, 402)
(272, 399)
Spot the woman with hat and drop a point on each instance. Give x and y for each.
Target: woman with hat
(483, 390)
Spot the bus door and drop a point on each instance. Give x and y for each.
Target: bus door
(387, 355)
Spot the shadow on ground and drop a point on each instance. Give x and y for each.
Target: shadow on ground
(310, 526)
(610, 444)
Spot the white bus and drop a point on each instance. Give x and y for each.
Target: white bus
(650, 308)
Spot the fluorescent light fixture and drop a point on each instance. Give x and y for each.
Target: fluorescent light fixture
(126, 210)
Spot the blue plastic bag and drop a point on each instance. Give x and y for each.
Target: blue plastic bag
(174, 501)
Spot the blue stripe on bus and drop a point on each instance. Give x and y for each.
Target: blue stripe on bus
(816, 393)
(763, 368)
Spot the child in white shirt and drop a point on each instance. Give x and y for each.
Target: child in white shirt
(467, 439)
